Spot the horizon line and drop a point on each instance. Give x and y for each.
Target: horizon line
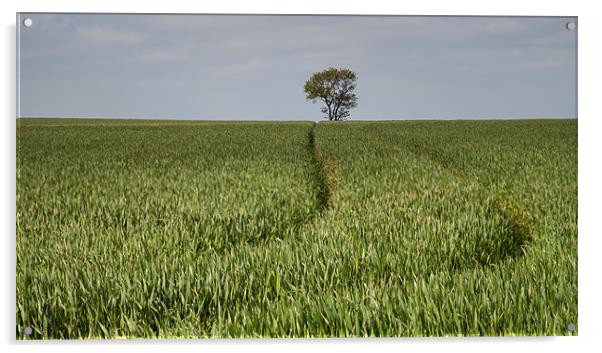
(293, 120)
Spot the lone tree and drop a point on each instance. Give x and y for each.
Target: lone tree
(334, 87)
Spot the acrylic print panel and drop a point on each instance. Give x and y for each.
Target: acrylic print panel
(227, 176)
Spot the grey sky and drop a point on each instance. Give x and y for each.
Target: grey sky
(254, 67)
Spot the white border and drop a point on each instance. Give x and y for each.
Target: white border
(589, 160)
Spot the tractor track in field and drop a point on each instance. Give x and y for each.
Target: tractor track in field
(325, 174)
(324, 179)
(519, 222)
(518, 228)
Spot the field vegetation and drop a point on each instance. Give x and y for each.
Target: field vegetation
(271, 229)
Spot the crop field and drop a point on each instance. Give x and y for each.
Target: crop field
(133, 228)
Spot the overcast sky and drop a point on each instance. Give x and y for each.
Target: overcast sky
(254, 67)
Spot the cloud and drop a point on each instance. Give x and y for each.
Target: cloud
(159, 56)
(107, 36)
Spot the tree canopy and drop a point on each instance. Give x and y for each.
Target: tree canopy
(335, 88)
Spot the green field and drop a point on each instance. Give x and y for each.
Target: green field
(130, 228)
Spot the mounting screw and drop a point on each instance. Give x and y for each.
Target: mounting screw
(28, 331)
(570, 327)
(28, 22)
(571, 25)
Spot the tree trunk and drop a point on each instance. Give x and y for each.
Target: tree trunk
(336, 111)
(330, 116)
